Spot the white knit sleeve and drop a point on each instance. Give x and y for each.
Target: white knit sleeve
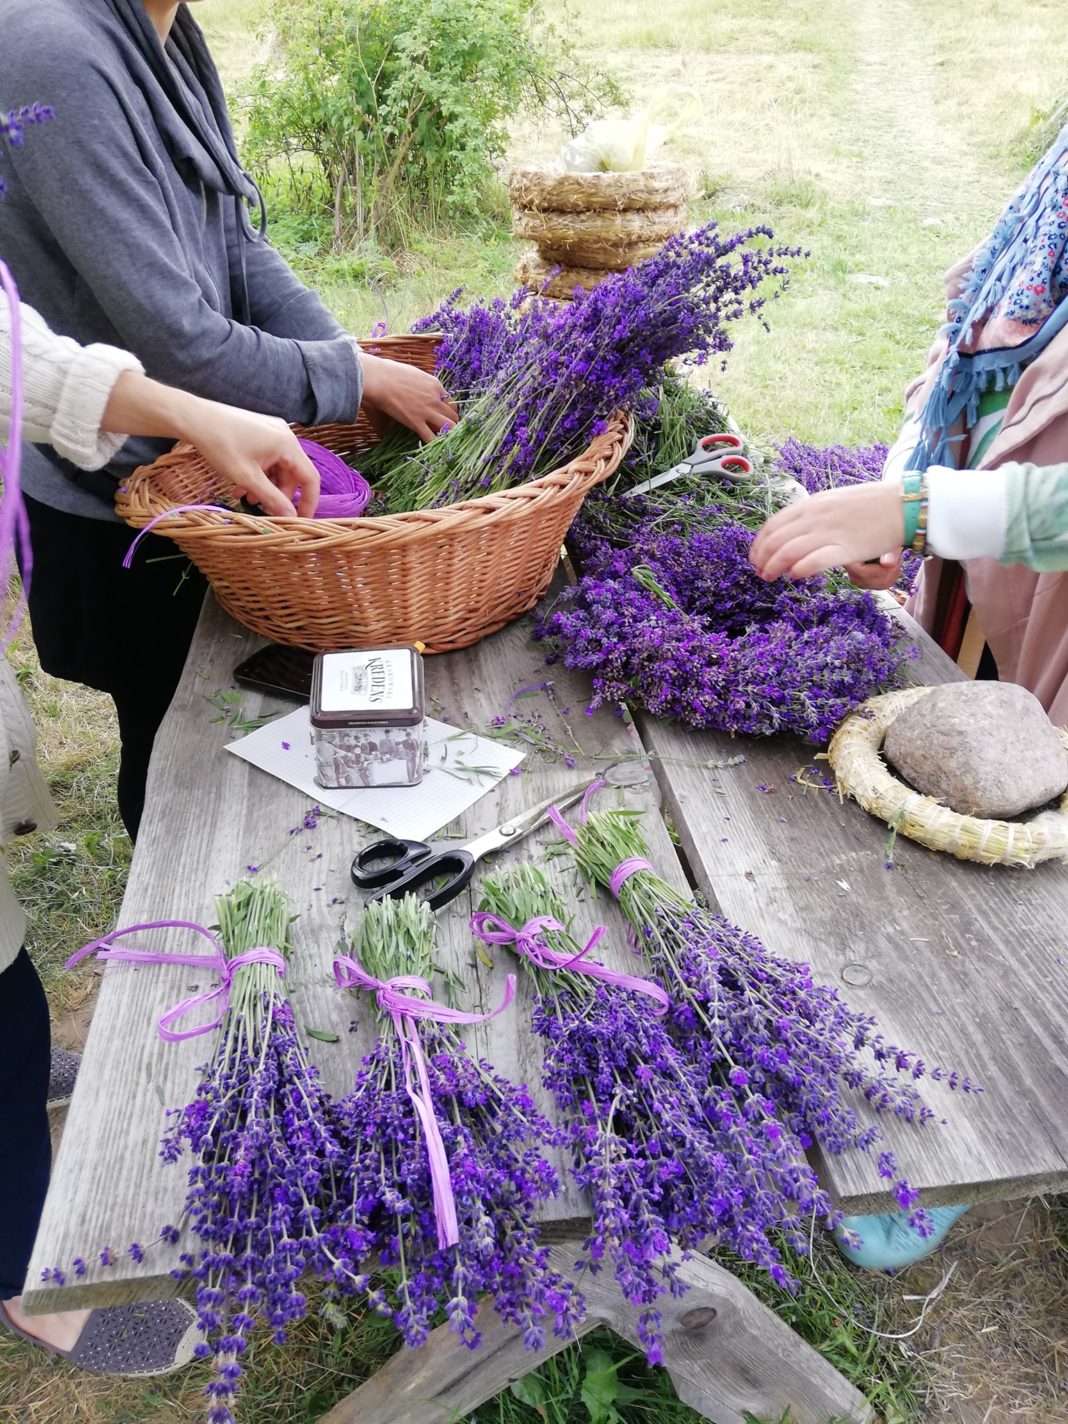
(65, 388)
(967, 518)
(901, 450)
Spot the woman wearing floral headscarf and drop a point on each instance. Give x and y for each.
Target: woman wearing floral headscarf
(994, 402)
(979, 475)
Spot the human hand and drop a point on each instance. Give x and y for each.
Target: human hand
(884, 574)
(843, 527)
(406, 394)
(258, 455)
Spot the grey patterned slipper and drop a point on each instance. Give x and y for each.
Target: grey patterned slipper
(64, 1070)
(135, 1341)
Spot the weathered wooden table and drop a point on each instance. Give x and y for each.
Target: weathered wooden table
(962, 964)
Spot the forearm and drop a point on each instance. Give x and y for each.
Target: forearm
(139, 406)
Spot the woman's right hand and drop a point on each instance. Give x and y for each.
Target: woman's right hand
(406, 394)
(258, 455)
(838, 528)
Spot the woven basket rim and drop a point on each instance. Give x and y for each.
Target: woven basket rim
(410, 525)
(861, 771)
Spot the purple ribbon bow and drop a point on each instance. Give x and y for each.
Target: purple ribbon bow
(529, 944)
(404, 1009)
(218, 962)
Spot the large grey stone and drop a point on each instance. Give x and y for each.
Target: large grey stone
(982, 748)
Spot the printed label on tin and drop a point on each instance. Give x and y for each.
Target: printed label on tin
(348, 757)
(368, 681)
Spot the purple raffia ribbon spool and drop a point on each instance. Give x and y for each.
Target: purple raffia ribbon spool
(343, 491)
(404, 1009)
(528, 943)
(343, 494)
(218, 962)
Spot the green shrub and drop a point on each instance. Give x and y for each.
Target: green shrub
(389, 114)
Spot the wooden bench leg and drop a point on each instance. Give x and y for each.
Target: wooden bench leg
(726, 1353)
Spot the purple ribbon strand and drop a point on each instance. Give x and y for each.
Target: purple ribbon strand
(217, 962)
(14, 521)
(624, 870)
(529, 943)
(404, 1009)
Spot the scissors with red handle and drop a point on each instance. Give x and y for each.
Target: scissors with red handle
(719, 454)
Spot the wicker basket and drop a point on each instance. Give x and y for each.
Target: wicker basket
(443, 577)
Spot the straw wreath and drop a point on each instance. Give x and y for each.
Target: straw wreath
(861, 772)
(551, 280)
(598, 239)
(542, 190)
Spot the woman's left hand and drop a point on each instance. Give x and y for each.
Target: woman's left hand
(828, 530)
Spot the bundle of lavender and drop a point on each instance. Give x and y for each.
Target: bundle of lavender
(657, 1166)
(261, 1143)
(443, 1172)
(538, 383)
(778, 1055)
(258, 1135)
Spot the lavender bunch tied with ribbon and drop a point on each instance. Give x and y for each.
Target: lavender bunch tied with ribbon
(665, 1176)
(785, 1060)
(257, 1134)
(260, 1143)
(444, 1172)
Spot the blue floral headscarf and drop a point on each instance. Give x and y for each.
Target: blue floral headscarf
(1010, 306)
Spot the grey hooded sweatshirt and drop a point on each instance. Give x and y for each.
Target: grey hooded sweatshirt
(127, 221)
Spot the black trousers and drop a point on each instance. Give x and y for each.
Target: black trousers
(25, 1052)
(123, 631)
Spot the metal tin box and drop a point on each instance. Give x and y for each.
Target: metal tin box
(367, 717)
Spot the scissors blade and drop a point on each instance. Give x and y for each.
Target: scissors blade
(673, 474)
(508, 832)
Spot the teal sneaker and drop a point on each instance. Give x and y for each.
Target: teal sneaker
(888, 1242)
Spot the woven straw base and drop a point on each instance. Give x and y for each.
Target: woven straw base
(442, 577)
(548, 280)
(542, 190)
(860, 772)
(598, 239)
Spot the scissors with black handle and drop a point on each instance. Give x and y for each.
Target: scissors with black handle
(394, 868)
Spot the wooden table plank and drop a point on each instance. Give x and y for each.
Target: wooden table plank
(209, 815)
(963, 963)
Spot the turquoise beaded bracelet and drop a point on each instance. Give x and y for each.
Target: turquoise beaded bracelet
(914, 497)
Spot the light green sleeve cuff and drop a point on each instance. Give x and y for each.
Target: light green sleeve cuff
(1036, 532)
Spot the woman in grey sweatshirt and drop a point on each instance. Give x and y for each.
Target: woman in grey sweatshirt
(129, 220)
